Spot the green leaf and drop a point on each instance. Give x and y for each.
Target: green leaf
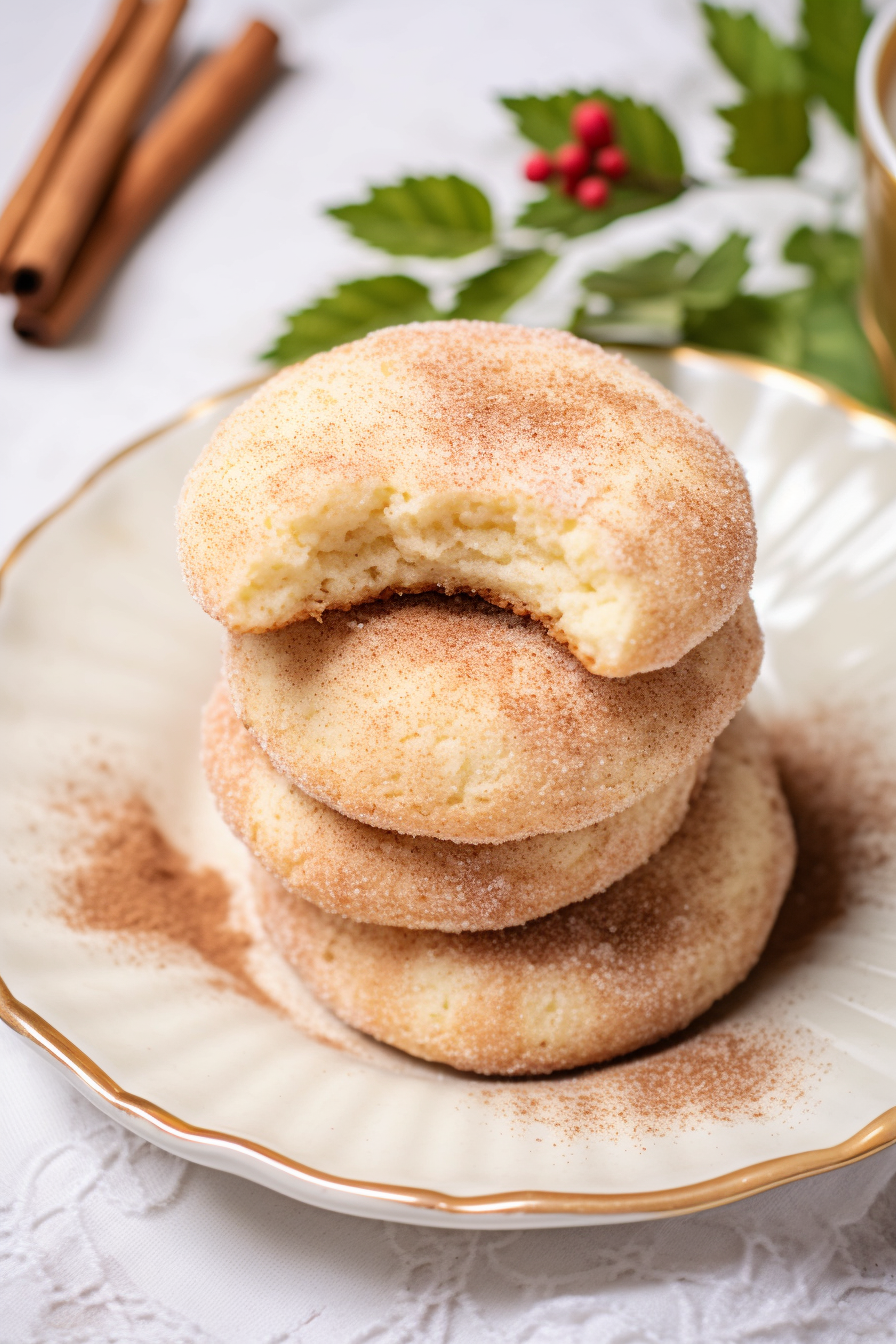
(716, 280)
(771, 128)
(350, 312)
(750, 53)
(770, 326)
(545, 121)
(834, 256)
(656, 320)
(659, 273)
(650, 143)
(815, 330)
(836, 347)
(648, 140)
(488, 296)
(834, 32)
(771, 134)
(656, 172)
(422, 217)
(652, 296)
(700, 282)
(565, 215)
(674, 294)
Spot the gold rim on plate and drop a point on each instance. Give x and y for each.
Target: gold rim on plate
(725, 1189)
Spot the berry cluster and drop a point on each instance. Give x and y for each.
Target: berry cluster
(586, 164)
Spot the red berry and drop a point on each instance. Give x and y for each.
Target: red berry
(592, 123)
(573, 160)
(612, 162)
(592, 193)
(538, 167)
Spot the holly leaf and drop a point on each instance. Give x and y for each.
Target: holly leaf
(771, 134)
(834, 31)
(652, 295)
(350, 312)
(660, 273)
(656, 320)
(701, 282)
(750, 53)
(564, 214)
(490, 295)
(676, 294)
(647, 138)
(656, 167)
(815, 330)
(422, 217)
(836, 347)
(654, 153)
(767, 325)
(717, 278)
(771, 128)
(545, 121)
(835, 257)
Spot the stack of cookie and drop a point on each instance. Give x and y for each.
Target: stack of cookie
(507, 820)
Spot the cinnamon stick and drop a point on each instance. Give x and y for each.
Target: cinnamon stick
(90, 155)
(22, 201)
(189, 127)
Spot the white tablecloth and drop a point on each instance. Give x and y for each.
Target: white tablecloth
(104, 1239)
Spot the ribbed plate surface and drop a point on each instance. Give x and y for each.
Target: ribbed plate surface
(105, 659)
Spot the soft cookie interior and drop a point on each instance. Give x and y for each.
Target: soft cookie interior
(363, 541)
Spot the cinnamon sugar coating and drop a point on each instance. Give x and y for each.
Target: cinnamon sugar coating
(592, 981)
(451, 718)
(527, 466)
(379, 877)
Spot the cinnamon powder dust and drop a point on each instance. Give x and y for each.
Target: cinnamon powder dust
(132, 881)
(841, 790)
(715, 1074)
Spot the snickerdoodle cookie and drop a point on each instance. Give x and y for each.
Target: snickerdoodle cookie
(451, 718)
(527, 466)
(413, 881)
(594, 980)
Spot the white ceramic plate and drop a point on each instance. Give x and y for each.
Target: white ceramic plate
(104, 656)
